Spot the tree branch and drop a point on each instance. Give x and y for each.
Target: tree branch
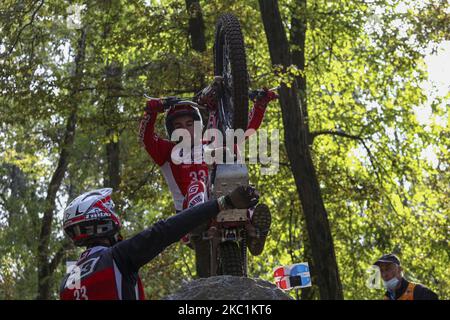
(135, 71)
(131, 93)
(353, 137)
(44, 277)
(33, 16)
(143, 181)
(59, 255)
(335, 133)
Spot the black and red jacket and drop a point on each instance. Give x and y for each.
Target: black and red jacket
(111, 273)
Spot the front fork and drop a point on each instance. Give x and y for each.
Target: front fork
(223, 180)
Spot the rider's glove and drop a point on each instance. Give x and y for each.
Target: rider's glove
(154, 105)
(263, 101)
(242, 197)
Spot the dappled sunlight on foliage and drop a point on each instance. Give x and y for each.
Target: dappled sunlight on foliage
(364, 73)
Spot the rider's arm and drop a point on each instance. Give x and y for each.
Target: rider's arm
(133, 253)
(256, 115)
(159, 149)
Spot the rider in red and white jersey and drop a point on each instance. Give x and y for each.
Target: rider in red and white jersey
(187, 182)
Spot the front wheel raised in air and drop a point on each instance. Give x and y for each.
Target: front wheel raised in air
(230, 63)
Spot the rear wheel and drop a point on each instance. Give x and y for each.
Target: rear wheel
(230, 63)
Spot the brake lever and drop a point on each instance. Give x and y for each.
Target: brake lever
(170, 101)
(259, 93)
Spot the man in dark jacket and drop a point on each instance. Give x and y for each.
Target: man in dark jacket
(398, 288)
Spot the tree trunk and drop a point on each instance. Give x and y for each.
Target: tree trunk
(197, 34)
(114, 85)
(112, 156)
(309, 293)
(298, 38)
(296, 142)
(196, 25)
(18, 186)
(45, 265)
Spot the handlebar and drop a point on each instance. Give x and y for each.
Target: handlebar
(172, 101)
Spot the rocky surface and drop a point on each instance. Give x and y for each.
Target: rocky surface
(228, 288)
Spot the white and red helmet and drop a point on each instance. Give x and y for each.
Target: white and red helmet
(91, 216)
(178, 111)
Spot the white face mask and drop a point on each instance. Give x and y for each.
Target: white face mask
(391, 284)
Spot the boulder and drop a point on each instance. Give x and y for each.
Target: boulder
(228, 288)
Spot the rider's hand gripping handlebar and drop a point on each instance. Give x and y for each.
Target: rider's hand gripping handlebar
(258, 94)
